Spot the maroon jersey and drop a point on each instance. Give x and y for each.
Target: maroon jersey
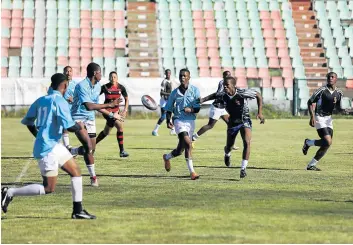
(113, 92)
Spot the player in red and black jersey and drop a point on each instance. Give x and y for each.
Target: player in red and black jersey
(112, 91)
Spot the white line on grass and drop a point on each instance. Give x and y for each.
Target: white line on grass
(23, 172)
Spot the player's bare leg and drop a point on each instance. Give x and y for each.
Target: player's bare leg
(188, 156)
(174, 153)
(104, 133)
(228, 148)
(120, 138)
(246, 136)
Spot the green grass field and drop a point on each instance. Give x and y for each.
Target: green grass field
(138, 202)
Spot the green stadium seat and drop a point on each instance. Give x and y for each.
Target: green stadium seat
(303, 104)
(26, 72)
(118, 5)
(289, 93)
(279, 94)
(348, 72)
(346, 103)
(304, 93)
(227, 61)
(267, 94)
(191, 62)
(196, 5)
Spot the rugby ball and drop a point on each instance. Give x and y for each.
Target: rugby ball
(149, 102)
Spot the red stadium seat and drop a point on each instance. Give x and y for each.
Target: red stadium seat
(270, 43)
(119, 24)
(4, 50)
(208, 15)
(16, 32)
(213, 53)
(211, 33)
(109, 53)
(265, 82)
(62, 61)
(273, 62)
(85, 24)
(276, 15)
(283, 52)
(86, 52)
(97, 23)
(86, 32)
(268, 33)
(277, 82)
(197, 15)
(287, 73)
(210, 24)
(286, 63)
(85, 61)
(74, 43)
(215, 62)
(212, 43)
(119, 15)
(280, 33)
(265, 15)
(97, 15)
(203, 62)
(288, 82)
(5, 14)
(198, 24)
(264, 73)
(251, 72)
(278, 25)
(27, 42)
(3, 71)
(201, 52)
(349, 83)
(200, 33)
(74, 61)
(201, 43)
(15, 42)
(266, 24)
(29, 23)
(86, 43)
(75, 33)
(281, 43)
(16, 14)
(5, 22)
(271, 52)
(97, 52)
(16, 23)
(85, 15)
(74, 52)
(242, 82)
(240, 72)
(108, 23)
(204, 72)
(109, 43)
(5, 43)
(97, 43)
(216, 72)
(28, 33)
(108, 15)
(120, 43)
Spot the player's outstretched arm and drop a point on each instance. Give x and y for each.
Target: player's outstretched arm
(311, 113)
(92, 106)
(112, 115)
(259, 108)
(208, 97)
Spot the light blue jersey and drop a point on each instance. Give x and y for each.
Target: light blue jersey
(85, 92)
(178, 101)
(51, 114)
(70, 92)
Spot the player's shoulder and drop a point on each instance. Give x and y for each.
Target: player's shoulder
(321, 89)
(193, 87)
(120, 86)
(339, 91)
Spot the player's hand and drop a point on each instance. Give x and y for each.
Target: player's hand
(118, 117)
(261, 117)
(170, 125)
(188, 109)
(312, 122)
(70, 99)
(115, 103)
(123, 113)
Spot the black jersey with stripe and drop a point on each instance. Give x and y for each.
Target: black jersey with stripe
(326, 100)
(237, 105)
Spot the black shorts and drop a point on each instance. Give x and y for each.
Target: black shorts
(322, 132)
(110, 121)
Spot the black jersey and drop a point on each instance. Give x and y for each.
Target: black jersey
(218, 102)
(166, 86)
(237, 105)
(326, 100)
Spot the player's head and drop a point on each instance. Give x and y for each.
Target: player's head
(184, 77)
(68, 72)
(94, 71)
(113, 77)
(229, 85)
(331, 78)
(167, 74)
(59, 82)
(226, 74)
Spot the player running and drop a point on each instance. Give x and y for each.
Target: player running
(166, 89)
(113, 91)
(184, 103)
(86, 101)
(52, 114)
(217, 111)
(326, 98)
(236, 104)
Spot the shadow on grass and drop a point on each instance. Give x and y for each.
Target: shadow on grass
(237, 167)
(16, 157)
(329, 200)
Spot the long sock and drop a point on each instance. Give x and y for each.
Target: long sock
(100, 137)
(190, 165)
(313, 162)
(76, 189)
(91, 170)
(195, 136)
(66, 139)
(156, 127)
(28, 190)
(310, 142)
(244, 164)
(120, 138)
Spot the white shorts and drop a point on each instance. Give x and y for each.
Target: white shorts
(50, 164)
(162, 103)
(90, 125)
(323, 122)
(216, 113)
(184, 126)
